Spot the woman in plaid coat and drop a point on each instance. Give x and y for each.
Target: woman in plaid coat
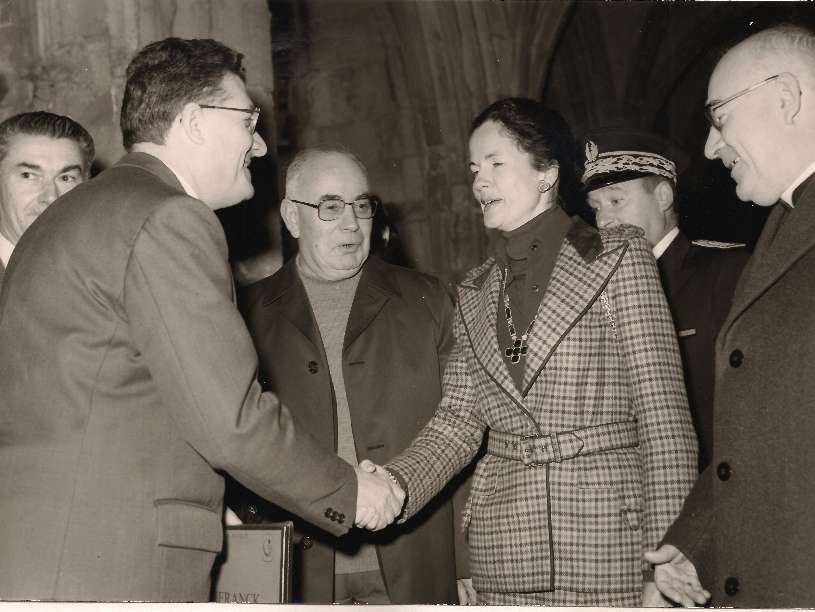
(566, 360)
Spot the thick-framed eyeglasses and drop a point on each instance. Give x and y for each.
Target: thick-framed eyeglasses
(254, 114)
(717, 121)
(330, 207)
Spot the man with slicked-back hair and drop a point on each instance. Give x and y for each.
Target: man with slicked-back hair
(42, 156)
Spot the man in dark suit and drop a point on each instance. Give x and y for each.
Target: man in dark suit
(748, 526)
(630, 177)
(42, 156)
(127, 377)
(365, 344)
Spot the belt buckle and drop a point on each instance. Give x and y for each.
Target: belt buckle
(527, 452)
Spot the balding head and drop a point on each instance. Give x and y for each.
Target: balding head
(335, 249)
(310, 162)
(761, 98)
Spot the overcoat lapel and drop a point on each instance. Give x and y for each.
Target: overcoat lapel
(777, 250)
(296, 308)
(581, 273)
(478, 303)
(374, 290)
(577, 281)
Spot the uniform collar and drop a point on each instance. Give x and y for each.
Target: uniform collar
(662, 246)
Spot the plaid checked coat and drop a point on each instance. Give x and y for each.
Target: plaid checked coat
(602, 350)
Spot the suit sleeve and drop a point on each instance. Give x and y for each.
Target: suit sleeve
(647, 340)
(450, 439)
(178, 300)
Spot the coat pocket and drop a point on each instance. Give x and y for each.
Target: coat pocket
(483, 486)
(187, 525)
(603, 523)
(620, 471)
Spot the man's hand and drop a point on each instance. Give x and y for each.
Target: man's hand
(676, 577)
(652, 598)
(379, 499)
(466, 592)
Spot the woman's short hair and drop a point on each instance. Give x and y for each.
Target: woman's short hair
(539, 131)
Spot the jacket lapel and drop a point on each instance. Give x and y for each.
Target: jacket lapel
(374, 290)
(478, 303)
(577, 280)
(777, 250)
(676, 265)
(295, 308)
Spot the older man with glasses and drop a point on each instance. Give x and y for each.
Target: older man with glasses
(356, 348)
(747, 529)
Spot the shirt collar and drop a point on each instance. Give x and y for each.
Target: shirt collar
(666, 241)
(786, 197)
(6, 249)
(187, 187)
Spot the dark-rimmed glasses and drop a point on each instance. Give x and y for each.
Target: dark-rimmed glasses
(331, 207)
(712, 107)
(254, 114)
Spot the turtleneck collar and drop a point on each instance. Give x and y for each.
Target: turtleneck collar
(515, 245)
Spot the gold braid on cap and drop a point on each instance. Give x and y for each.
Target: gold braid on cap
(622, 161)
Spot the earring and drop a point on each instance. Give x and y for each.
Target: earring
(543, 186)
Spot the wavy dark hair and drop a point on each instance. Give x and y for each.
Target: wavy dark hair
(166, 75)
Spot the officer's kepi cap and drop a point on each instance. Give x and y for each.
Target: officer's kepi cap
(614, 155)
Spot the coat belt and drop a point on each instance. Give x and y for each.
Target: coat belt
(556, 447)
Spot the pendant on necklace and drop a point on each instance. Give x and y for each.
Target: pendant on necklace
(517, 350)
(519, 346)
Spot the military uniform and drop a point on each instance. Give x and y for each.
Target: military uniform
(699, 279)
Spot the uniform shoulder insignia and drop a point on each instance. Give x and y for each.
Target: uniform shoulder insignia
(713, 244)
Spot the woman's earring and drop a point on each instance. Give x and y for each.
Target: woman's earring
(543, 186)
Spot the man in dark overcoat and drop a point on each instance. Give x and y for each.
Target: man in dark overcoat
(630, 177)
(747, 527)
(356, 348)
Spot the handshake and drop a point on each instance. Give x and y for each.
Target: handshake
(379, 497)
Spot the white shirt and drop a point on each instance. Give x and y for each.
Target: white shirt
(190, 191)
(5, 250)
(787, 195)
(666, 241)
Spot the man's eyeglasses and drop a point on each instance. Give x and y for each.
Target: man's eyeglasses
(710, 109)
(330, 207)
(254, 114)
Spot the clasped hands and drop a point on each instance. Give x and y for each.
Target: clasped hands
(379, 499)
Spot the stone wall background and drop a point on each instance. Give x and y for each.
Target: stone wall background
(398, 83)
(69, 57)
